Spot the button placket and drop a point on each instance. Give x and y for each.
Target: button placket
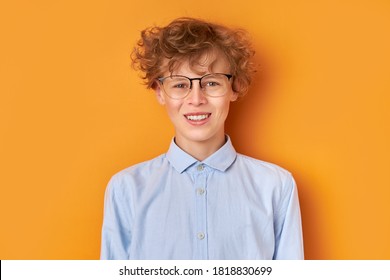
(201, 211)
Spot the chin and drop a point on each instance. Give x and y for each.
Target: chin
(200, 136)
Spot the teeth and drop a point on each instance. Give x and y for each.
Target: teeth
(197, 117)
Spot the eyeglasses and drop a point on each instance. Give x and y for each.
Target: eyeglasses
(213, 85)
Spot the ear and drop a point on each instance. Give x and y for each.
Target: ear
(233, 96)
(235, 90)
(159, 94)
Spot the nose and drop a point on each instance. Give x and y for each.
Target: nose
(196, 95)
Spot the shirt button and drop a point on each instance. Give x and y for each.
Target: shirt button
(200, 167)
(200, 235)
(200, 191)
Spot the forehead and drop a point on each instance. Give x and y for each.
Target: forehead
(212, 61)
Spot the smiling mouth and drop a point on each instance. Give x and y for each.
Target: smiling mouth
(197, 117)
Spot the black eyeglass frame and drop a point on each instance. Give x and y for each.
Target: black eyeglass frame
(161, 80)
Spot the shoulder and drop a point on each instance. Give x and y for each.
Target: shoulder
(262, 168)
(270, 179)
(136, 174)
(265, 176)
(142, 168)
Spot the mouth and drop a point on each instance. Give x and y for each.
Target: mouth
(197, 117)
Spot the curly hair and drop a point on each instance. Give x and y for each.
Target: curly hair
(188, 39)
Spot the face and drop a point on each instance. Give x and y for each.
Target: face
(197, 118)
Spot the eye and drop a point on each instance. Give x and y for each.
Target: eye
(211, 84)
(212, 81)
(178, 83)
(182, 85)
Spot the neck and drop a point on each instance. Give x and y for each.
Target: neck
(201, 149)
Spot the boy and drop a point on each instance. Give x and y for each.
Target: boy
(200, 200)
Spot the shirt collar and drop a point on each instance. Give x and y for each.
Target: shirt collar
(220, 160)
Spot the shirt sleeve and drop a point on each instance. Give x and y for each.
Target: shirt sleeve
(288, 226)
(116, 230)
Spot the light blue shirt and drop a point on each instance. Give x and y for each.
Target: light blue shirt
(228, 206)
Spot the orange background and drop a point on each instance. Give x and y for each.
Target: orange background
(73, 113)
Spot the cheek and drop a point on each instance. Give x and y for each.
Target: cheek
(173, 109)
(223, 109)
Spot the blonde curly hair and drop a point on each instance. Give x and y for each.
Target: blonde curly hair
(187, 39)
